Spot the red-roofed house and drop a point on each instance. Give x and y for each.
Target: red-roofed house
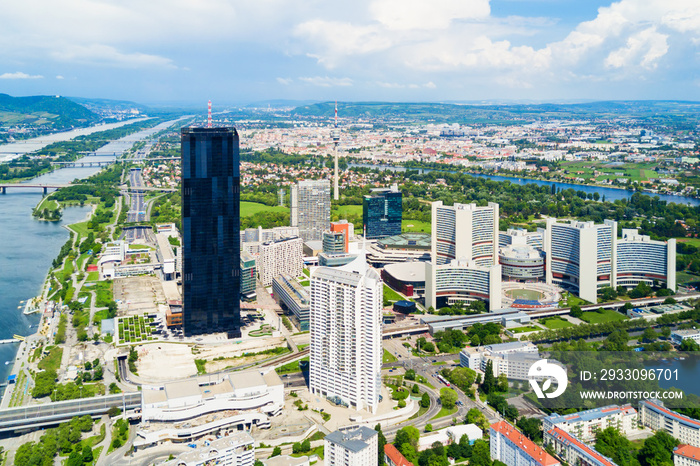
(511, 447)
(570, 449)
(393, 457)
(686, 455)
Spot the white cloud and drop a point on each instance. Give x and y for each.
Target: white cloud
(644, 48)
(59, 77)
(405, 15)
(108, 55)
(325, 81)
(19, 75)
(285, 81)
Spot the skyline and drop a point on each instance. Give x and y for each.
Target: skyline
(233, 52)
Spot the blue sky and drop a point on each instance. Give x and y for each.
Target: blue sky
(400, 50)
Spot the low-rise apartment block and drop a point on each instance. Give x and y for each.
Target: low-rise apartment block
(508, 445)
(585, 424)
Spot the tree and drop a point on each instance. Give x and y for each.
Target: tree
(410, 375)
(408, 434)
(502, 383)
(448, 397)
(428, 427)
(649, 335)
(475, 340)
(666, 332)
(489, 384)
(306, 445)
(87, 454)
(381, 441)
(612, 444)
(531, 427)
(277, 451)
(576, 311)
(480, 454)
(415, 389)
(296, 448)
(425, 400)
(689, 345)
(657, 450)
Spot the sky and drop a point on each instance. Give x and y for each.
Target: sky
(235, 51)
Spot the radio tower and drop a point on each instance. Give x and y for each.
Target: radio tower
(335, 135)
(209, 116)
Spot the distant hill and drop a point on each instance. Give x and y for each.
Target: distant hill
(52, 112)
(107, 106)
(468, 113)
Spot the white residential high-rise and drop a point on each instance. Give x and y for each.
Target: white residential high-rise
(310, 208)
(354, 447)
(465, 232)
(345, 331)
(285, 256)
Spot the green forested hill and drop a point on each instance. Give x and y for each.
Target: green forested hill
(52, 111)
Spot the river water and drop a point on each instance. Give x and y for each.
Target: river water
(19, 148)
(611, 194)
(29, 246)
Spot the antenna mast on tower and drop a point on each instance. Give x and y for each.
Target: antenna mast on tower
(335, 135)
(209, 116)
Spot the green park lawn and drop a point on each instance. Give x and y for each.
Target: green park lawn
(349, 210)
(527, 328)
(392, 295)
(555, 323)
(415, 226)
(388, 357)
(251, 208)
(608, 315)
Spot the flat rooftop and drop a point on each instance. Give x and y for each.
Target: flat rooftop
(406, 241)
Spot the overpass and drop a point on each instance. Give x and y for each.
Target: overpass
(33, 417)
(45, 187)
(83, 164)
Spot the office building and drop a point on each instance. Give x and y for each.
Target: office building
(585, 424)
(334, 242)
(310, 208)
(522, 237)
(508, 445)
(522, 263)
(382, 212)
(677, 336)
(465, 232)
(640, 259)
(249, 273)
(686, 455)
(354, 447)
(293, 297)
(572, 450)
(580, 256)
(654, 415)
(211, 224)
(462, 282)
(343, 226)
(335, 259)
(281, 256)
(406, 247)
(346, 341)
(405, 277)
(236, 449)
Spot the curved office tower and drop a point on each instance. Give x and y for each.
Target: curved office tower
(641, 259)
(211, 231)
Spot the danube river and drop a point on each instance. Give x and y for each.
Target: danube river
(611, 194)
(29, 246)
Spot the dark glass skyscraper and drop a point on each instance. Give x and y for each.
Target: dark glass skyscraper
(382, 211)
(210, 229)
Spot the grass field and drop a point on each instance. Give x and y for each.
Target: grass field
(349, 210)
(527, 328)
(415, 226)
(52, 361)
(445, 412)
(392, 295)
(556, 323)
(80, 228)
(692, 241)
(608, 315)
(571, 300)
(684, 277)
(388, 357)
(251, 208)
(93, 276)
(291, 367)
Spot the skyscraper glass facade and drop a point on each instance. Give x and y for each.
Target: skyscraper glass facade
(382, 212)
(211, 230)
